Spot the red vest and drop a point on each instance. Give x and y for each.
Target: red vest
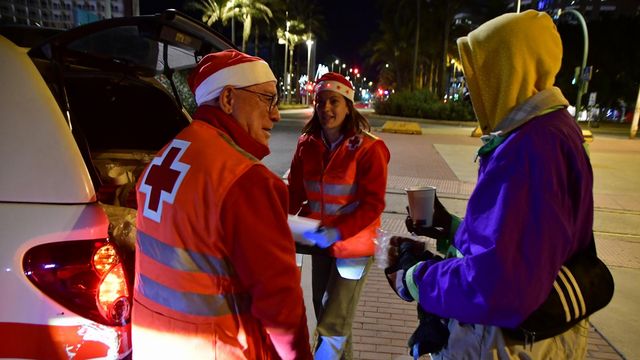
(188, 302)
(331, 191)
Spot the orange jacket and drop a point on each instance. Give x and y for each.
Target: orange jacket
(344, 189)
(213, 280)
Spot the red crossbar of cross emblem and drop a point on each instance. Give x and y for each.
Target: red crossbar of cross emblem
(163, 178)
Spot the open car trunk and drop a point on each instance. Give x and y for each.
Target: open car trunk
(121, 85)
(121, 122)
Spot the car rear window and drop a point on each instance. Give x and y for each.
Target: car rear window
(131, 47)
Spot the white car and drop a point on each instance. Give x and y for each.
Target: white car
(81, 113)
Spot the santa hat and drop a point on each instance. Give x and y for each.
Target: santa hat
(335, 82)
(227, 68)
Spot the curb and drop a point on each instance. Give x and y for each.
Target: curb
(402, 127)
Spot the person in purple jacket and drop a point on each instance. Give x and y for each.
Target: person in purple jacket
(532, 207)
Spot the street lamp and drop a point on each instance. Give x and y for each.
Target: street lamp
(581, 82)
(337, 62)
(309, 78)
(286, 52)
(309, 45)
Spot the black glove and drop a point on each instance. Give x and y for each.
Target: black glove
(410, 252)
(440, 227)
(430, 336)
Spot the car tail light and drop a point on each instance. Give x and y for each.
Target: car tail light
(87, 277)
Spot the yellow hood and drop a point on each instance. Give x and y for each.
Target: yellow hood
(507, 60)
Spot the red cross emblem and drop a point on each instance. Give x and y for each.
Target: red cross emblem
(162, 179)
(354, 142)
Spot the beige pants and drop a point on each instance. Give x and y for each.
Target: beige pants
(334, 300)
(472, 341)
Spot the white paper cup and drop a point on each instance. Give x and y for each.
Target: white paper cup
(421, 200)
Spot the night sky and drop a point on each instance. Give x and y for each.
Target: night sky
(349, 25)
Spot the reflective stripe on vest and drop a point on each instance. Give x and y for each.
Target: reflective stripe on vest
(191, 303)
(182, 259)
(332, 209)
(330, 189)
(339, 193)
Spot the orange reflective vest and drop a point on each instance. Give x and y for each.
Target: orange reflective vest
(189, 302)
(344, 189)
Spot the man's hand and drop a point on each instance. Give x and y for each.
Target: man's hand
(415, 247)
(323, 237)
(409, 253)
(440, 227)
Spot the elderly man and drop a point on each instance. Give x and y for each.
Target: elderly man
(216, 276)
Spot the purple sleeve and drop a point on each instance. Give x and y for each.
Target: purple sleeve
(531, 210)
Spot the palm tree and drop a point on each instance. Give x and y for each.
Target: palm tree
(394, 44)
(245, 10)
(309, 14)
(423, 40)
(306, 22)
(292, 35)
(445, 10)
(210, 10)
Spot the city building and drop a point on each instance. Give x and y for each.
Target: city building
(64, 14)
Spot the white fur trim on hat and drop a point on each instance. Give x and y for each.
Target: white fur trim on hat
(330, 85)
(238, 76)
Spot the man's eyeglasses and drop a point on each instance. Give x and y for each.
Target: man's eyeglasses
(272, 99)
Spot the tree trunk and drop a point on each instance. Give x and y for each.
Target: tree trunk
(290, 72)
(285, 76)
(433, 73)
(246, 31)
(255, 41)
(233, 31)
(416, 47)
(445, 46)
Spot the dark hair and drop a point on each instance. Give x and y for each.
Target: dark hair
(353, 121)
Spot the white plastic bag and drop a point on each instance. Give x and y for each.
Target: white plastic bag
(383, 240)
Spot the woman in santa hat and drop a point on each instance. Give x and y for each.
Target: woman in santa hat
(338, 176)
